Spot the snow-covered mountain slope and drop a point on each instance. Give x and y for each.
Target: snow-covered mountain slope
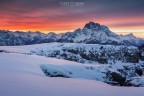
(84, 53)
(106, 73)
(20, 75)
(92, 33)
(95, 33)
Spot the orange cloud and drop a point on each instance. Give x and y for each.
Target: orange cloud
(47, 15)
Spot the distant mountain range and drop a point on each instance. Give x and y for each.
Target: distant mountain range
(91, 33)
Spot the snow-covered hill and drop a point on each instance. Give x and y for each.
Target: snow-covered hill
(83, 53)
(128, 74)
(92, 33)
(20, 75)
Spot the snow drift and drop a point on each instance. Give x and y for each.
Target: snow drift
(20, 75)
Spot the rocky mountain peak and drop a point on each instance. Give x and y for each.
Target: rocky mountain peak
(92, 25)
(130, 35)
(92, 33)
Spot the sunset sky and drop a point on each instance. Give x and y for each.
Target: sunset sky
(121, 16)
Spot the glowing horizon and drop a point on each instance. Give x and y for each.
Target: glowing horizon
(57, 16)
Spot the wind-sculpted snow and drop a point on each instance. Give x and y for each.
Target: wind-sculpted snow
(120, 74)
(92, 72)
(98, 62)
(20, 75)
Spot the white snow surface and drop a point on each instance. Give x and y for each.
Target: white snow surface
(142, 54)
(48, 47)
(20, 75)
